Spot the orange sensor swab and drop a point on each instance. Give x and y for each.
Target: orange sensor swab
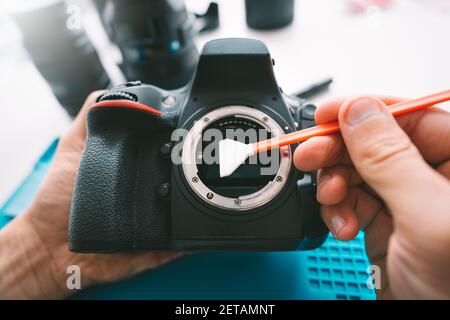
(233, 153)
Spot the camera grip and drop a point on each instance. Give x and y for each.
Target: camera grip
(115, 206)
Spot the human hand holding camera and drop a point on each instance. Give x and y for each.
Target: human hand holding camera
(390, 179)
(34, 253)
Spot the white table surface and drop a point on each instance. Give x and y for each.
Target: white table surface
(403, 51)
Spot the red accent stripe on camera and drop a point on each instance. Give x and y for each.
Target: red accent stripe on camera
(126, 104)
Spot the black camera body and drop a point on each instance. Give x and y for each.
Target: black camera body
(130, 196)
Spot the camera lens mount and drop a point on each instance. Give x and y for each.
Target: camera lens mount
(192, 154)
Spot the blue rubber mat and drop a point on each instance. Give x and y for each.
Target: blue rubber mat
(26, 191)
(337, 270)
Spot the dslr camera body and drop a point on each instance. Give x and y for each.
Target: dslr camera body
(142, 186)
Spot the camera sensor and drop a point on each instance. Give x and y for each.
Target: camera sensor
(249, 177)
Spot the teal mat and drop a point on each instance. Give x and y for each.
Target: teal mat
(337, 270)
(26, 191)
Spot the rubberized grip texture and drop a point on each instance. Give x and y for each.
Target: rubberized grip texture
(115, 205)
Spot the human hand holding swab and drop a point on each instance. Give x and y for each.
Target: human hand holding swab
(233, 153)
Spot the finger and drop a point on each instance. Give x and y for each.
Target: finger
(377, 225)
(358, 211)
(426, 129)
(333, 184)
(377, 235)
(341, 221)
(75, 137)
(385, 157)
(429, 131)
(328, 111)
(361, 211)
(78, 127)
(321, 152)
(383, 292)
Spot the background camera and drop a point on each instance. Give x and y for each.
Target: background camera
(66, 58)
(156, 38)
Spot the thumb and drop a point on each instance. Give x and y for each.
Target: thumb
(385, 157)
(78, 128)
(75, 137)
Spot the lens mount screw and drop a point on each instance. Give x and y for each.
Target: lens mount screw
(279, 179)
(209, 195)
(205, 119)
(195, 179)
(237, 202)
(265, 119)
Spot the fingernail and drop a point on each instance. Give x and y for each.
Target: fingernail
(337, 223)
(361, 109)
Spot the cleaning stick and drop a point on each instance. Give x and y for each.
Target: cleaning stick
(233, 153)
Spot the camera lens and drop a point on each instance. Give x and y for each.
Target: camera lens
(247, 178)
(156, 39)
(64, 55)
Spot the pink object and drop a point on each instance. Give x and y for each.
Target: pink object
(360, 6)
